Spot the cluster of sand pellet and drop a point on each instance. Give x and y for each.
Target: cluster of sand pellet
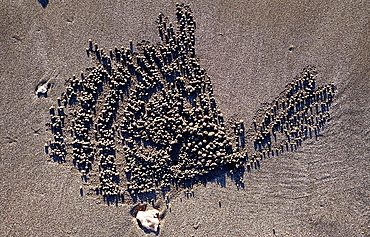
(145, 118)
(298, 113)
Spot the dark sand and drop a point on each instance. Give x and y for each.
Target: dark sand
(322, 189)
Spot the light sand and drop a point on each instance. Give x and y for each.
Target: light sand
(321, 190)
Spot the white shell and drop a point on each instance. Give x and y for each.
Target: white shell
(149, 219)
(42, 89)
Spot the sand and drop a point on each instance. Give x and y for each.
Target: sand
(251, 50)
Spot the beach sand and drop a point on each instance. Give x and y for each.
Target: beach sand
(251, 50)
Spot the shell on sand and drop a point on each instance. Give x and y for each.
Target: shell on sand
(149, 219)
(42, 89)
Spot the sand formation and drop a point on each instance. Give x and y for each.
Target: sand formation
(298, 113)
(144, 120)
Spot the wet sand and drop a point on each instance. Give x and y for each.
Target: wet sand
(251, 50)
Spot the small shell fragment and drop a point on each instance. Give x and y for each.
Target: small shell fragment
(149, 219)
(42, 89)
